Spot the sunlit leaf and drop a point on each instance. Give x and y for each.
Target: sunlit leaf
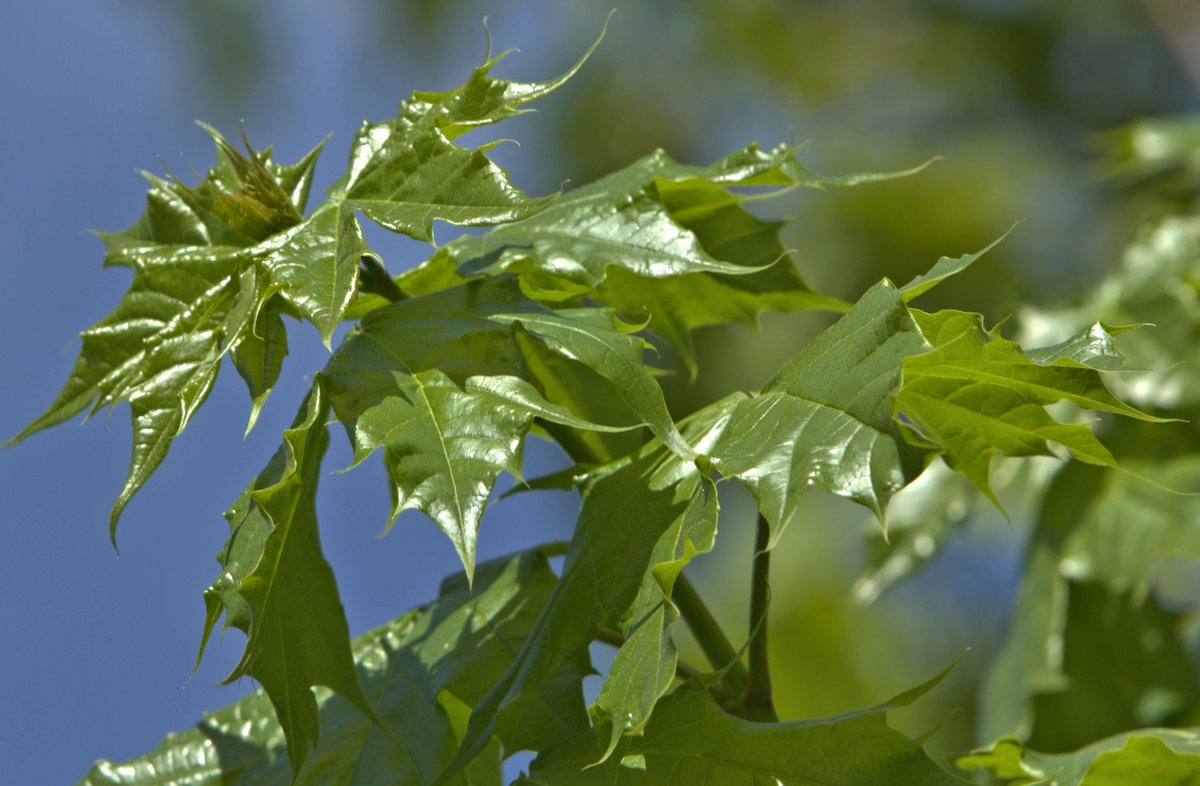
(641, 521)
(660, 239)
(421, 673)
(826, 418)
(209, 259)
(976, 395)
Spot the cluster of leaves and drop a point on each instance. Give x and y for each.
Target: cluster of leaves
(542, 326)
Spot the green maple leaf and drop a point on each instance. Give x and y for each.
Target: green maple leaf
(448, 384)
(826, 418)
(217, 263)
(691, 740)
(421, 673)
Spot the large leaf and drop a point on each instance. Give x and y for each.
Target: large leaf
(420, 672)
(691, 740)
(641, 521)
(442, 384)
(276, 586)
(826, 418)
(1146, 757)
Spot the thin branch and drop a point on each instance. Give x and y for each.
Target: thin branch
(709, 636)
(757, 698)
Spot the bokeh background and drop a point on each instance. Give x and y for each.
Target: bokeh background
(1017, 96)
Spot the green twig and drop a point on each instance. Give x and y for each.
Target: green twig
(709, 636)
(373, 277)
(757, 697)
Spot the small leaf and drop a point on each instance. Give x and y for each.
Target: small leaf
(447, 385)
(407, 172)
(977, 394)
(825, 418)
(195, 296)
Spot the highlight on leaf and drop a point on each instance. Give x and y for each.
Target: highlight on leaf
(542, 326)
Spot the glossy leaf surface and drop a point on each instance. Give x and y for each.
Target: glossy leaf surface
(442, 385)
(420, 673)
(663, 240)
(196, 294)
(209, 259)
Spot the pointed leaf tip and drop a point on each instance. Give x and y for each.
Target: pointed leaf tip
(947, 267)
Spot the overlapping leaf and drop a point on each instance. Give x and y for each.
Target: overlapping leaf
(209, 260)
(826, 418)
(420, 673)
(1146, 757)
(194, 296)
(691, 740)
(976, 395)
(1085, 590)
(276, 586)
(449, 383)
(641, 521)
(662, 239)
